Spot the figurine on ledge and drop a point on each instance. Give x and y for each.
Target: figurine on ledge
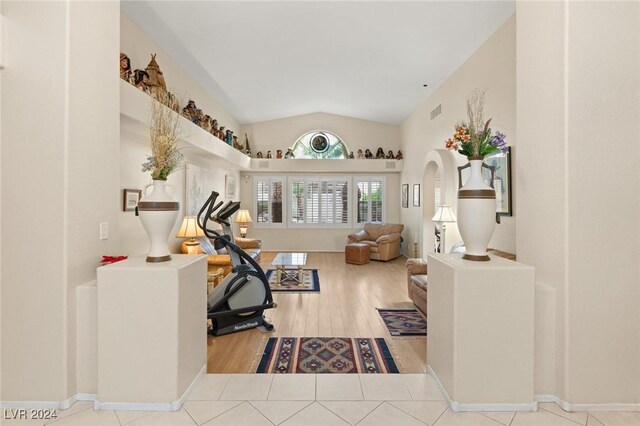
(289, 154)
(351, 157)
(190, 110)
(269, 155)
(259, 154)
(141, 78)
(360, 155)
(380, 154)
(125, 68)
(390, 156)
(279, 154)
(368, 154)
(399, 155)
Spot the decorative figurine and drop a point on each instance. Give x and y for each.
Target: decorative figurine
(199, 117)
(390, 155)
(380, 154)
(156, 79)
(214, 127)
(279, 154)
(221, 133)
(360, 155)
(125, 68)
(190, 110)
(259, 154)
(351, 157)
(206, 123)
(368, 154)
(289, 154)
(246, 145)
(141, 78)
(399, 155)
(228, 137)
(237, 145)
(269, 154)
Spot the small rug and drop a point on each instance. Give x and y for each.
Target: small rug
(404, 322)
(310, 282)
(326, 355)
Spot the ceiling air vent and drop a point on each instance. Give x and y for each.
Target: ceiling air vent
(390, 165)
(263, 164)
(436, 111)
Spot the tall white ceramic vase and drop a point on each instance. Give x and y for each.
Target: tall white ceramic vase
(476, 213)
(158, 213)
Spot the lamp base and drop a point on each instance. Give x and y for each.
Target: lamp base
(192, 246)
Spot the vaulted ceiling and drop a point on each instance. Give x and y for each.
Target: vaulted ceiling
(264, 60)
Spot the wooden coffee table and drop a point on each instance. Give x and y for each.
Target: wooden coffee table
(289, 267)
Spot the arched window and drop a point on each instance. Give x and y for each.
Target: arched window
(320, 144)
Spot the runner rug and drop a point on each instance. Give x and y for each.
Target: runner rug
(326, 355)
(404, 322)
(310, 282)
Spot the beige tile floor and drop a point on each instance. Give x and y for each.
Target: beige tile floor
(324, 400)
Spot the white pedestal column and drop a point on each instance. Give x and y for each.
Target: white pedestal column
(481, 323)
(152, 341)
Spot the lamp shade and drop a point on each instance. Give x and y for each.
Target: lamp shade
(190, 228)
(243, 216)
(444, 214)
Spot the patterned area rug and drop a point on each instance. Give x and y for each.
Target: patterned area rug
(326, 355)
(404, 322)
(310, 282)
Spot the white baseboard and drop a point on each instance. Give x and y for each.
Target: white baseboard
(460, 407)
(572, 407)
(63, 405)
(152, 406)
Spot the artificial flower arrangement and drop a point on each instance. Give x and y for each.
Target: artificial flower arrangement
(473, 139)
(165, 156)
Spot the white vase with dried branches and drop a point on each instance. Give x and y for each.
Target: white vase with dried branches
(158, 211)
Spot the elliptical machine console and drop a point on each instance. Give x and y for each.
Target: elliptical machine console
(239, 301)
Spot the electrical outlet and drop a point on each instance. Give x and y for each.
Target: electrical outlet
(104, 231)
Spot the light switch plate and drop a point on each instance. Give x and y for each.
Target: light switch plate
(104, 231)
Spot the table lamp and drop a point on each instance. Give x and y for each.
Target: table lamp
(444, 215)
(190, 229)
(244, 219)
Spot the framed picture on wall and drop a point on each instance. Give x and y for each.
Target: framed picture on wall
(501, 181)
(416, 195)
(199, 183)
(405, 195)
(130, 199)
(229, 186)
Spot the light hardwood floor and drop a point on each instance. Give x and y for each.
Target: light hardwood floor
(345, 307)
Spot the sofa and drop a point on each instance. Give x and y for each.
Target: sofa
(417, 278)
(221, 260)
(383, 239)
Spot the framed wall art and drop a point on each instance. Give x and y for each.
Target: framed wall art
(501, 181)
(416, 195)
(130, 199)
(230, 186)
(405, 195)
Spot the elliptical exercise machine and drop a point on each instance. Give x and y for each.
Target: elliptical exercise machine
(239, 301)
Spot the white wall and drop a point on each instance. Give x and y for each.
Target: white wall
(355, 133)
(579, 193)
(135, 144)
(323, 239)
(491, 67)
(59, 182)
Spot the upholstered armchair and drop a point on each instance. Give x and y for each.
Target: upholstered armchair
(221, 259)
(417, 283)
(383, 239)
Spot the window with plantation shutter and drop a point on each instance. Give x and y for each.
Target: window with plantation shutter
(269, 202)
(370, 199)
(319, 202)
